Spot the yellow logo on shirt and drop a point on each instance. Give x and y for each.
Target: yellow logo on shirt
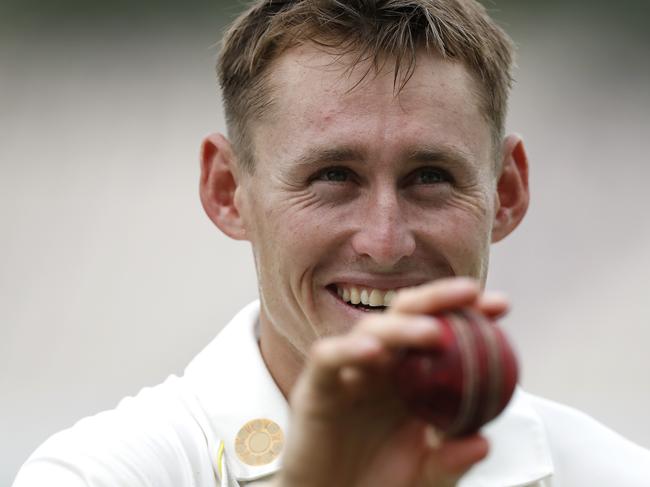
(259, 442)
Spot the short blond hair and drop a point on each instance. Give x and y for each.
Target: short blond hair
(373, 30)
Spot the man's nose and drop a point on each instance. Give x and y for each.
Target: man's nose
(383, 233)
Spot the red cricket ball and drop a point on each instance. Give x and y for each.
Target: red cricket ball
(464, 383)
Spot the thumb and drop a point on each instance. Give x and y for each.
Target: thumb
(447, 462)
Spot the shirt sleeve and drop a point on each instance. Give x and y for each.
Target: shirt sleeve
(150, 440)
(48, 472)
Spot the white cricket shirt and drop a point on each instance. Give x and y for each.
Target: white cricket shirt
(223, 422)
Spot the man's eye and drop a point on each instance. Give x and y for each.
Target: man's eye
(432, 175)
(334, 175)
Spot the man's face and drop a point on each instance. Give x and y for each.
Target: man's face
(358, 188)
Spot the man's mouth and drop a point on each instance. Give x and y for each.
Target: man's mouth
(363, 298)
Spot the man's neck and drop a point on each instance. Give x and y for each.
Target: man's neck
(281, 358)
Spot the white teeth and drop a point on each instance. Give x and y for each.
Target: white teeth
(366, 296)
(376, 298)
(389, 297)
(354, 296)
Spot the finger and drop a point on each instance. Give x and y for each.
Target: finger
(493, 304)
(355, 381)
(440, 295)
(329, 355)
(398, 330)
(453, 458)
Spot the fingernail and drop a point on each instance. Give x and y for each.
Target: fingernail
(427, 324)
(432, 437)
(496, 296)
(465, 283)
(367, 345)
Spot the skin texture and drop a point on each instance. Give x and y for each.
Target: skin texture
(357, 184)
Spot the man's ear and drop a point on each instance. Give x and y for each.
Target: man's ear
(219, 184)
(512, 188)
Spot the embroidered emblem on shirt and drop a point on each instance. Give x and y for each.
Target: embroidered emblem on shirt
(259, 442)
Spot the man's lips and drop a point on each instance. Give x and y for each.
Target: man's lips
(378, 282)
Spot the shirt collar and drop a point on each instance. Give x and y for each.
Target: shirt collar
(233, 386)
(519, 451)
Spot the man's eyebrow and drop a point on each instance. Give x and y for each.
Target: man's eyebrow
(438, 154)
(334, 155)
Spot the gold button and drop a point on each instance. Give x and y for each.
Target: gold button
(259, 442)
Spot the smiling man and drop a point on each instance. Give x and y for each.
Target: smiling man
(358, 188)
(368, 168)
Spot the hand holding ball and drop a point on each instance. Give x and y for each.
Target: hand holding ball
(466, 382)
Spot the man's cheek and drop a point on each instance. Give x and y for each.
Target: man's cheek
(472, 203)
(464, 245)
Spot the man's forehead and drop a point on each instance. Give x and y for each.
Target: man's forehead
(321, 107)
(331, 76)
